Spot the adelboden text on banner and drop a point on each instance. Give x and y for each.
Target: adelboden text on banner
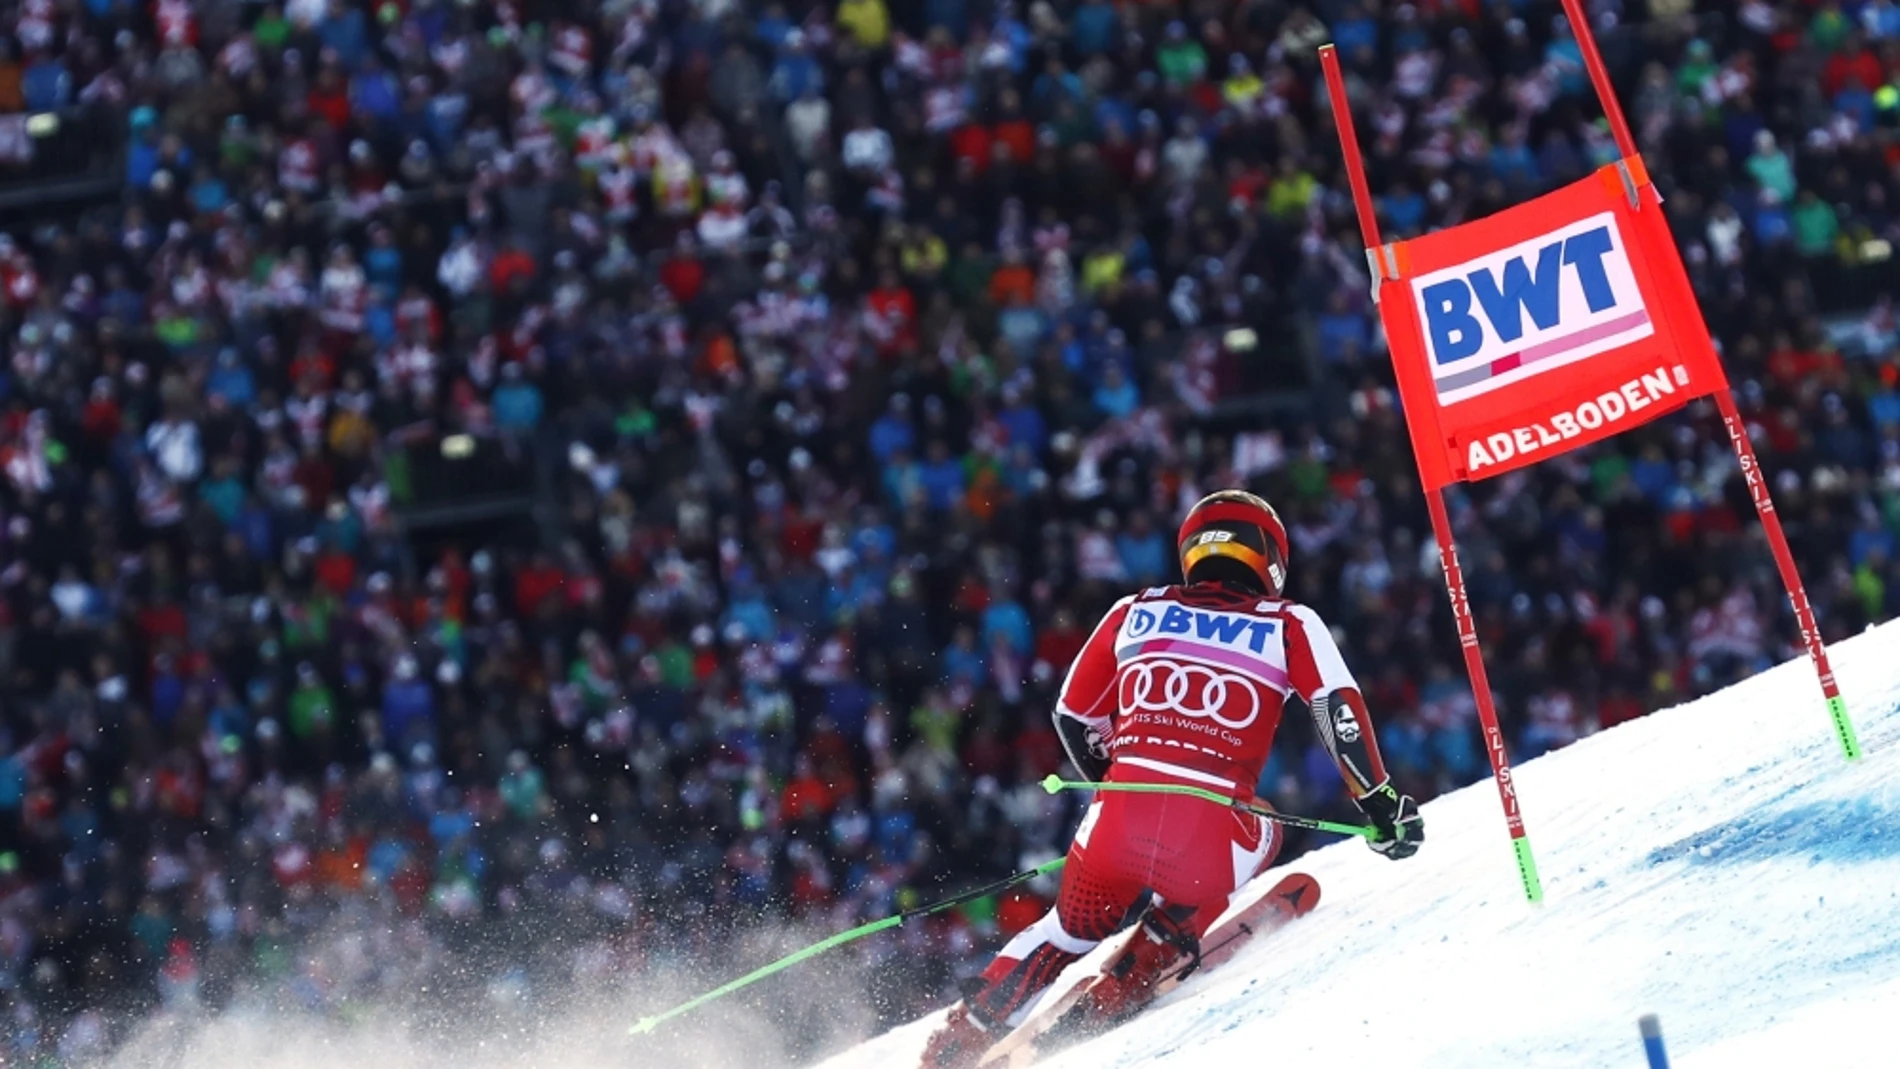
(1549, 325)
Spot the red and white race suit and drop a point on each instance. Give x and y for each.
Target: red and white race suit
(1186, 684)
(1182, 685)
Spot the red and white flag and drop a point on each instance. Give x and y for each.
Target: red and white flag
(1547, 326)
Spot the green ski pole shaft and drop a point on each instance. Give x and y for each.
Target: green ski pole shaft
(648, 1024)
(1054, 783)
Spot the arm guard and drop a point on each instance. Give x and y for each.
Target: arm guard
(1087, 749)
(1345, 729)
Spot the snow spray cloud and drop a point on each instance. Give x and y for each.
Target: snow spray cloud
(364, 997)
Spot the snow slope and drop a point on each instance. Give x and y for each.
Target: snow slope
(1718, 864)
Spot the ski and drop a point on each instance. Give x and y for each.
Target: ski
(1057, 1022)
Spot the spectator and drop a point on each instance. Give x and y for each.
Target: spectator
(517, 402)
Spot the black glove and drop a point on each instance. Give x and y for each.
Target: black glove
(1396, 818)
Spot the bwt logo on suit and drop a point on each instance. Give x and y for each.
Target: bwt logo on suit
(1533, 307)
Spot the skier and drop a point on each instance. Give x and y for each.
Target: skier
(1180, 685)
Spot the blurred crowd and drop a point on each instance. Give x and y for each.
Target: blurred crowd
(867, 352)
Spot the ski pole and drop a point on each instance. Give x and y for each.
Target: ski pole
(648, 1024)
(1053, 783)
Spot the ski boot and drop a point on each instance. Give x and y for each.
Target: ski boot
(1163, 949)
(960, 1042)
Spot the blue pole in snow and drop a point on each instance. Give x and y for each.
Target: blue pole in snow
(1652, 1041)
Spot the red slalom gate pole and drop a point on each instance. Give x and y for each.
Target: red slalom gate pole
(1481, 690)
(1790, 578)
(1349, 147)
(1441, 523)
(1732, 420)
(1599, 76)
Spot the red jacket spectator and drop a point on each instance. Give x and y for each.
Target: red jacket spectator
(315, 366)
(895, 315)
(329, 99)
(175, 22)
(512, 264)
(806, 796)
(683, 277)
(1019, 137)
(972, 142)
(162, 620)
(1057, 644)
(799, 535)
(336, 572)
(1012, 284)
(1858, 67)
(535, 583)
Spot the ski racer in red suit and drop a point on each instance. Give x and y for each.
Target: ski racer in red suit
(1180, 685)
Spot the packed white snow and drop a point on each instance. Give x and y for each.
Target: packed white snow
(1717, 864)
